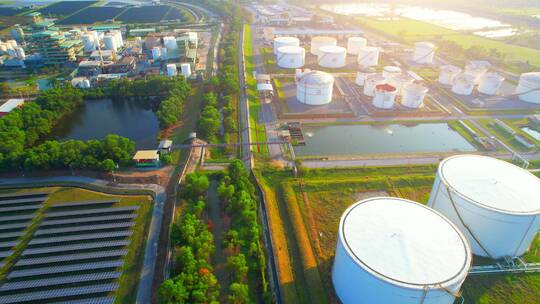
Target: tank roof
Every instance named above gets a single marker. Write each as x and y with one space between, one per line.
316 77
332 49
404 242
385 87
492 183
290 49
532 77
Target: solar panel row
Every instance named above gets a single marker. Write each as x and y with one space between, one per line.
71 257
16 201
111 226
89 277
63 269
76 247
80 237
92 211
85 203
58 293
86 220
19 208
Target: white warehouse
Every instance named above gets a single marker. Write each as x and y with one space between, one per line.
386 255
495 203
314 88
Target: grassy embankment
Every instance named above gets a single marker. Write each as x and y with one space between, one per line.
258 130
309 215
127 290
506 137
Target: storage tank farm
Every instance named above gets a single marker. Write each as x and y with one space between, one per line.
494 203
448 73
319 41
332 56
490 83
384 96
463 84
477 68
285 41
171 69
399 80
185 69
412 95
89 42
314 88
390 71
396 251
110 42
424 52
291 57
368 56
363 74
170 43
354 44
528 88
370 83
156 53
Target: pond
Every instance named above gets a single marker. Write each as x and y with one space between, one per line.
377 139
532 132
97 118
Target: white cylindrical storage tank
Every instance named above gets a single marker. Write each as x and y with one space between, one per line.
463 84
332 56
319 41
354 44
89 44
110 43
363 74
399 81
391 71
370 83
291 57
156 53
384 96
20 53
368 56
118 38
412 95
477 68
164 53
424 52
396 251
171 69
490 83
170 43
85 84
528 88
285 41
495 203
448 73
315 88
185 69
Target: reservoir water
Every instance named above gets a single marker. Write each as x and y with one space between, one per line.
375 139
97 118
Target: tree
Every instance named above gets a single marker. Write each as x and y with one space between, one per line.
238 265
239 293
108 165
4 88
173 292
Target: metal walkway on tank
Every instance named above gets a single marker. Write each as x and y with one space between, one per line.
516 265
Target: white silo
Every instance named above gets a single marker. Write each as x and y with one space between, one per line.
110 43
363 74
412 95
170 43
399 80
320 41
85 84
354 44
384 96
368 56
528 88
156 53
118 38
164 53
448 73
424 52
495 203
20 53
393 250
185 69
285 41
463 84
89 44
315 88
390 71
490 83
291 57
477 68
332 56
171 69
370 83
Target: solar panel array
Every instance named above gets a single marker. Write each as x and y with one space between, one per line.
75 256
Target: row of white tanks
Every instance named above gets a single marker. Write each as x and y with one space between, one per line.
392 250
111 41
385 88
185 70
476 73
11 48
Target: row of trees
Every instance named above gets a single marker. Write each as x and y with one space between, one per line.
193 280
23 133
244 237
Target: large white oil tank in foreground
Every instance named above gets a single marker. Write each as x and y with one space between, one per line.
171 69
463 84
110 43
315 88
170 43
448 73
185 69
363 74
424 52
332 56
477 68
320 41
384 96
490 83
368 56
528 88
390 71
285 41
354 44
412 95
495 204
396 251
156 53
370 83
291 57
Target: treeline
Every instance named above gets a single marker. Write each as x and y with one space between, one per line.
192 280
23 131
243 239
